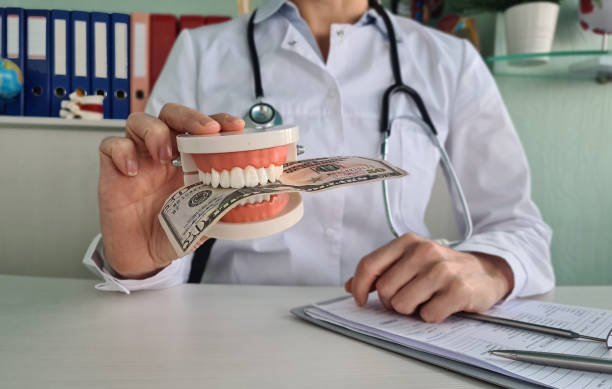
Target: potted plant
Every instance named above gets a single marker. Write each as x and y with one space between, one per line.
530 25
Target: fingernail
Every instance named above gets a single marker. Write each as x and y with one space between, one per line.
165 155
236 120
207 122
132 167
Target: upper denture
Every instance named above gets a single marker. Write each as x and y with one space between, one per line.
261 158
239 178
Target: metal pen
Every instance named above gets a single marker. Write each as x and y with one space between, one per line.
565 361
528 326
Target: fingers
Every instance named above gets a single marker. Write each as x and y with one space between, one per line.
398 275
151 136
376 263
421 288
184 119
419 258
348 285
122 152
228 122
454 299
156 136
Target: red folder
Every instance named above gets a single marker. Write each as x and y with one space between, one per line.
191 21
213 19
163 30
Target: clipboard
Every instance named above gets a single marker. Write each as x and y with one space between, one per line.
449 364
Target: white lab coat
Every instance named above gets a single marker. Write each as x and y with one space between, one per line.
337 106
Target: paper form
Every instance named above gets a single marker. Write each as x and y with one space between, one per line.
469 341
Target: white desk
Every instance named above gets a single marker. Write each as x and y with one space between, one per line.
61 333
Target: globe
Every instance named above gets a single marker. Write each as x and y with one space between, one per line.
11 79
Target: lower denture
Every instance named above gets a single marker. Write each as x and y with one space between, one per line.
258 211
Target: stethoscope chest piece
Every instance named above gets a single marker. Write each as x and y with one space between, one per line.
262 115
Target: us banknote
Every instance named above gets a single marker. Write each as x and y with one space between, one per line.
190 211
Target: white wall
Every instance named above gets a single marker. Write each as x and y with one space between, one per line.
48 198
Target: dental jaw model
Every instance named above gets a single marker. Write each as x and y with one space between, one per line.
248 159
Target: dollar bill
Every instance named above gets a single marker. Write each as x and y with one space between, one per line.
190 211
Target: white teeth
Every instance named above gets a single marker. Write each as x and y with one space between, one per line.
224 179
279 171
262 175
237 178
250 176
271 172
255 199
214 178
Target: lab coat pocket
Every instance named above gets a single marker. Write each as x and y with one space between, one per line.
411 149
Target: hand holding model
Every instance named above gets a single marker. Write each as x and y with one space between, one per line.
136 177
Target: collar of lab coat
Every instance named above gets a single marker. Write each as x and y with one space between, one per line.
286 7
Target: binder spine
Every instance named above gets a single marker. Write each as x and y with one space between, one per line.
139 61
162 36
191 21
14 37
99 61
80 52
60 60
2 33
120 65
37 69
214 19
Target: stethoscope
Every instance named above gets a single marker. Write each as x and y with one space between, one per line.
263 115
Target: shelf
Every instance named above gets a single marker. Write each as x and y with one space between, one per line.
61 124
558 64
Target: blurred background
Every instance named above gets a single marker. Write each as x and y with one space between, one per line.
48 174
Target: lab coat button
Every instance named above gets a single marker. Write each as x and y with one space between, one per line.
340 33
332 94
330 233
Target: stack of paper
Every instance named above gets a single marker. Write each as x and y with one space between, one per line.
469 341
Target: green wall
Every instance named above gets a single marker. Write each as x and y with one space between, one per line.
565 125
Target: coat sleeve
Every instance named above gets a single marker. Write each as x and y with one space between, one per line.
492 167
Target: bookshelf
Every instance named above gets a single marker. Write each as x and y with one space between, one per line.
28 122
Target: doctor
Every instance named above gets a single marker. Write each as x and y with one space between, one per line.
324 66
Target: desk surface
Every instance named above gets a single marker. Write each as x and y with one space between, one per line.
61 333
